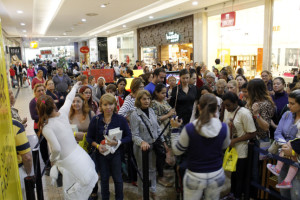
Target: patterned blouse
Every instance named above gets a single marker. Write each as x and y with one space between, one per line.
266 111
161 109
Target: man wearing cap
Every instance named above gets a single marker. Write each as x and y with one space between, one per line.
99 90
159 75
210 80
62 82
137 64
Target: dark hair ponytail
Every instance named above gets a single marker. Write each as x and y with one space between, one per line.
208 105
45 106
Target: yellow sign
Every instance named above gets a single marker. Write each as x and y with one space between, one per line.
34 44
9 173
224 55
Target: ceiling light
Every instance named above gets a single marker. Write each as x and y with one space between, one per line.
103 5
22 24
19 11
195 3
56 38
107 31
124 26
83 20
151 17
72 28
64 34
25 35
24 31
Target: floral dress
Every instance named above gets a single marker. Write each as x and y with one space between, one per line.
161 109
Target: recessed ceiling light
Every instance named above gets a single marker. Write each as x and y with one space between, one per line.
72 28
83 20
22 24
25 35
19 11
151 17
103 5
107 31
195 3
64 33
24 31
56 38
124 26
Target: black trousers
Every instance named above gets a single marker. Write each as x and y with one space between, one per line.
238 178
44 149
20 79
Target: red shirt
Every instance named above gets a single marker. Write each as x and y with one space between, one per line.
120 102
36 81
12 72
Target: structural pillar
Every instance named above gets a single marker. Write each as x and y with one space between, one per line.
136 45
268 32
200 37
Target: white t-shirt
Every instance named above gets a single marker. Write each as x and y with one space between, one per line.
117 70
243 123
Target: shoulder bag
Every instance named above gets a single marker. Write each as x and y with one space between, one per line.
158 145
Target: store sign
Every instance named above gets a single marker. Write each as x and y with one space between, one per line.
84 49
34 44
172 36
46 52
228 19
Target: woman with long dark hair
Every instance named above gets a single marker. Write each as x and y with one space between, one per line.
78 169
88 94
206 134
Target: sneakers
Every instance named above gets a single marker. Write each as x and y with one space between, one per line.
273 169
284 185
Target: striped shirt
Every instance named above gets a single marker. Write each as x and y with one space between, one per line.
127 107
22 143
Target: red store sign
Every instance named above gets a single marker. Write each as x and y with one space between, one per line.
228 19
84 49
46 52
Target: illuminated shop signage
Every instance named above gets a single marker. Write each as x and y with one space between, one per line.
228 19
173 36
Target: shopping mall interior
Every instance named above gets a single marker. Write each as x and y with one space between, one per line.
255 35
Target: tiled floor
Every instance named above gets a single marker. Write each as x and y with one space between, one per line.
54 193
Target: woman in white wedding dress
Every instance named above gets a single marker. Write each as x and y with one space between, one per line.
78 169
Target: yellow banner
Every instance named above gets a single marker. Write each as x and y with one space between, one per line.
9 171
224 55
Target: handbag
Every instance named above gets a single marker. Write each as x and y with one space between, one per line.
230 159
158 145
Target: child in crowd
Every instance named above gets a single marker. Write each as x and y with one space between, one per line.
112 89
275 169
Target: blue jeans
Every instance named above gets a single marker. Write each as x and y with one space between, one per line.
194 184
294 192
110 165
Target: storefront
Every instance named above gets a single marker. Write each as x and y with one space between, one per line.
49 53
285 43
236 38
121 48
168 41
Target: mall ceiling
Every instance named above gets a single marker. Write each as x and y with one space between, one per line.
59 22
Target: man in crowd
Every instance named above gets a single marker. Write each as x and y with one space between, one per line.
159 75
23 153
99 90
218 65
18 72
137 64
62 81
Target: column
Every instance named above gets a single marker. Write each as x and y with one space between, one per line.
200 37
268 31
136 46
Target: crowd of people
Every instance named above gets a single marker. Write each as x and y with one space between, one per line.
96 129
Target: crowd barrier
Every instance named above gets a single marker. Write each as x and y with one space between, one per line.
252 148
36 181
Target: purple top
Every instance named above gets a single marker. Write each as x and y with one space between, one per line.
286 129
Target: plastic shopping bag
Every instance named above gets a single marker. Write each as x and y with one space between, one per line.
84 144
230 159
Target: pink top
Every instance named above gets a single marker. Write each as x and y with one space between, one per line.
30 72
